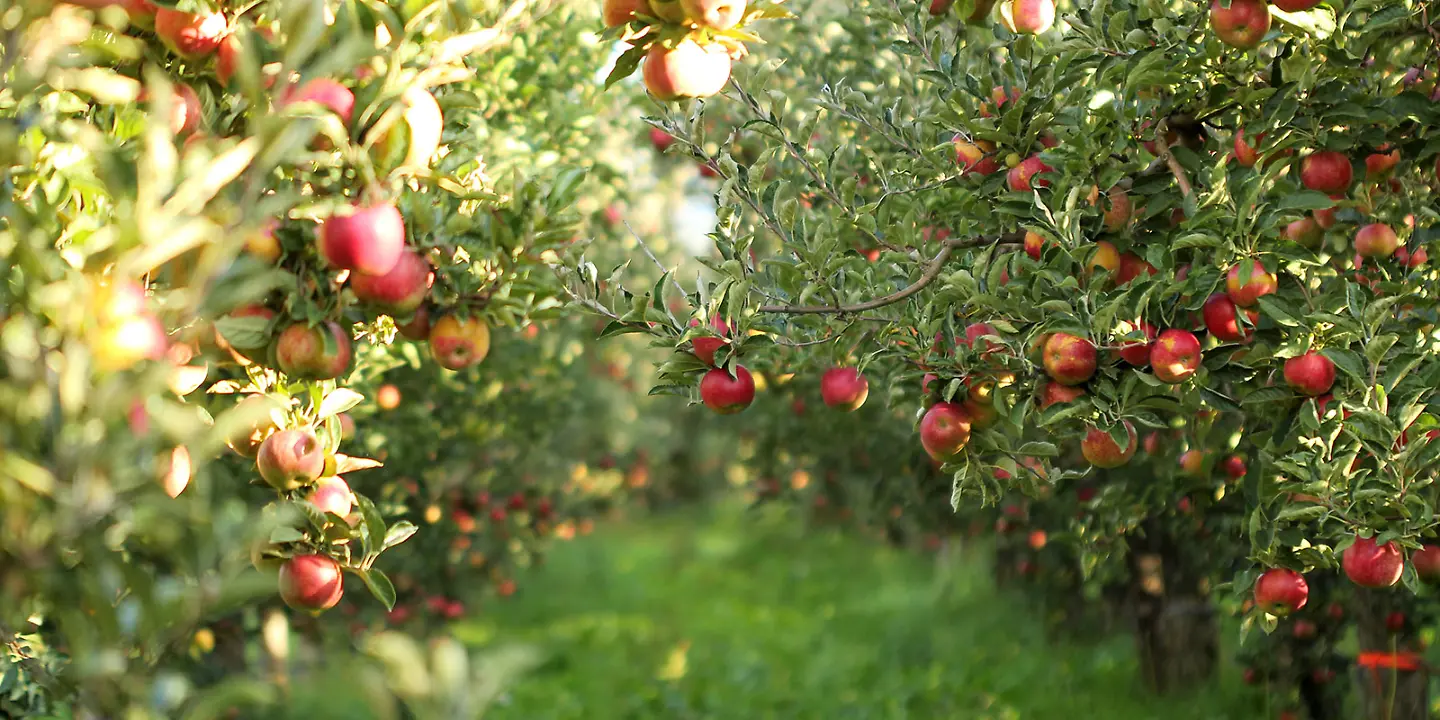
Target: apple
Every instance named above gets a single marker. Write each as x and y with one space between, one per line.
619 12
414 138
329 93
1409 259
190 36
246 440
1241 25
1223 323
301 351
1305 232
190 108
714 14
705 347
1303 630
688 70
976 332
332 495
844 388
1137 352
262 243
1069 360
400 291
976 157
1326 171
1246 155
228 56
725 394
458 343
1381 164
1427 563
1395 622
940 7
1027 17
1370 565
1295 5
1245 292
1325 218
120 343
311 582
1102 451
175 470
1234 467
417 328
945 430
290 459
1310 374
387 396
1132 266
1025 176
368 239
1192 463
1053 392
1376 240
1034 244
1105 257
660 139
1175 356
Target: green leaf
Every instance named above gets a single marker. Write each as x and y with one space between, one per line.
625 65
1348 362
245 333
380 586
1305 200
398 533
1038 449
338 401
374 524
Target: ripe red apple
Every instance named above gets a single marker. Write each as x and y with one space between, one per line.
1304 629
1245 292
457 343
1395 622
398 292
1409 259
368 239
714 14
1102 451
688 70
1069 360
189 108
660 139
945 430
1281 591
1246 155
727 395
1054 392
1234 467
1222 322
1034 244
976 332
1241 25
1027 17
1305 232
417 328
301 351
619 12
332 495
844 388
976 157
1380 164
291 458
1105 257
1310 374
1372 566
311 582
1175 356
190 36
329 93
1326 171
1026 176
1131 267
940 7
1295 5
1376 240
1137 352
1427 563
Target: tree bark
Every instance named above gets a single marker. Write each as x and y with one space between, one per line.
1176 632
1393 685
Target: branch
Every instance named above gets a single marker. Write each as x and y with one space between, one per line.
932 271
1179 172
663 270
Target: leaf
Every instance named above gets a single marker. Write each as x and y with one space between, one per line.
338 401
625 64
1279 310
380 586
1305 200
344 463
1038 449
1347 361
246 333
399 533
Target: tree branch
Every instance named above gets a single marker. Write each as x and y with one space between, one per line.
932 271
1164 147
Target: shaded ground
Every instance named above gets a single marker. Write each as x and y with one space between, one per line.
750 618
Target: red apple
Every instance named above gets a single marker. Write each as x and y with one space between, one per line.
1069 360
327 92
301 351
457 343
398 292
290 459
976 157
190 36
332 495
1034 244
1026 176
1376 240
1234 467
714 14
660 139
1372 566
1409 259
1326 171
1380 164
311 582
1137 352
1131 267
1222 322
727 395
1310 374
1027 17
1241 25
367 239
688 70
844 388
1305 232
417 328
1245 292
619 12
1281 591
1427 563
1175 356
1054 392
945 430
1244 153
1102 451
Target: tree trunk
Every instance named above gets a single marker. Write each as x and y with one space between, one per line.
1176 632
1393 684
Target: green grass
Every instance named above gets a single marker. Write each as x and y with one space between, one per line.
752 618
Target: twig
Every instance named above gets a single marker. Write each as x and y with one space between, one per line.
1164 147
658 264
932 271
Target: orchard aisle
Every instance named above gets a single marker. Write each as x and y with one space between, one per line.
748 618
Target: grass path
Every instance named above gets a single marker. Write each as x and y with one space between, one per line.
723 617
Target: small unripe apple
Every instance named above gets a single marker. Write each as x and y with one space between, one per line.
1246 292
1376 240
311 582
1069 360
1310 374
1241 25
1326 171
400 291
945 430
688 70
1372 566
1222 321
332 495
1175 356
190 36
844 388
459 343
290 459
301 351
725 394
1102 451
